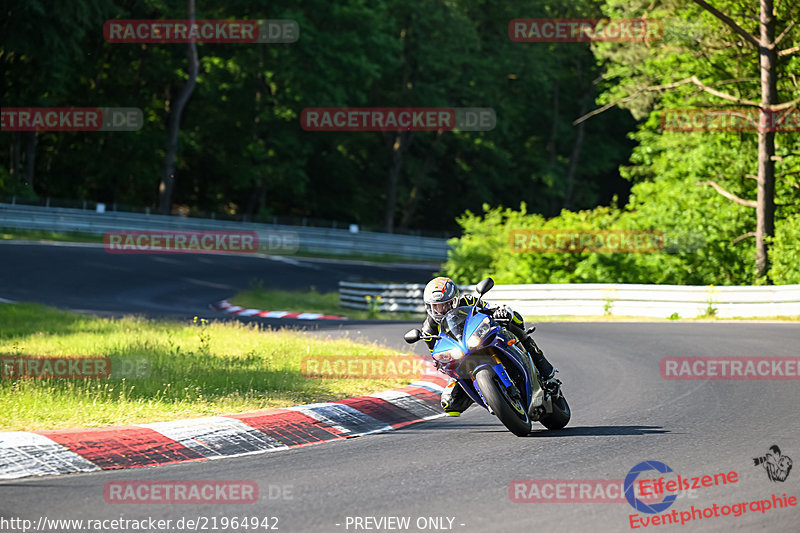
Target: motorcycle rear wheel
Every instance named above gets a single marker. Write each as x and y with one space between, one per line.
503 406
560 415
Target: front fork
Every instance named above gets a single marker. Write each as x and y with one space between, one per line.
500 371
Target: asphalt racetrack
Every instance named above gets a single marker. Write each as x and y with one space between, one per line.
449 474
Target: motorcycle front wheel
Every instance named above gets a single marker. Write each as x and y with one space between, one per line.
510 411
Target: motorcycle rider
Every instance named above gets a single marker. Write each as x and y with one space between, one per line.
440 296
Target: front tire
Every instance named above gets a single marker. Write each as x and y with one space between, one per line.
504 407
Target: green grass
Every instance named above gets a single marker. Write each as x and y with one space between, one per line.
195 369
40 235
311 302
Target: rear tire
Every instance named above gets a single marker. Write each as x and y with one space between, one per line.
560 415
518 423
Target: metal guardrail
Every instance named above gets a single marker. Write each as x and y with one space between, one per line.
385 297
592 299
273 238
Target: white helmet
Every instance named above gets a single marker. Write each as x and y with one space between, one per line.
441 295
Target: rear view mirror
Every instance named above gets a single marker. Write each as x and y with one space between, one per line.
412 336
484 286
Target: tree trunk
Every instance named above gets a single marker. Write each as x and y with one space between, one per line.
398 151
16 144
30 158
258 196
574 157
551 142
578 146
550 147
765 210
167 186
416 189
401 139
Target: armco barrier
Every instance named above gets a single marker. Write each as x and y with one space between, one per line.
275 238
659 301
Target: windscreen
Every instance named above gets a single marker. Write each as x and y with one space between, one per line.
453 321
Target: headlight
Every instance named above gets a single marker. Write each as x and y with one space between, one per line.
480 331
456 354
453 354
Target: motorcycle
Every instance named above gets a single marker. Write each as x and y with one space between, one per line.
494 369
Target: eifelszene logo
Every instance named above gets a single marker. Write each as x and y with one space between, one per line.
638 504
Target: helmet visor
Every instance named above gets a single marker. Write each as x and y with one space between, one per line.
439 309
443 307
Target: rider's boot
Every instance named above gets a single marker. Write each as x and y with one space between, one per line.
543 366
454 399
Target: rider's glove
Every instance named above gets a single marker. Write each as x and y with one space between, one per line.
503 314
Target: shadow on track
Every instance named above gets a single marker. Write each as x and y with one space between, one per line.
599 431
589 431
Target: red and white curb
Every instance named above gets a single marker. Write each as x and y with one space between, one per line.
40 453
227 307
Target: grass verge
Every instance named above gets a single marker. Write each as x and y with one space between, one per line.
41 235
193 369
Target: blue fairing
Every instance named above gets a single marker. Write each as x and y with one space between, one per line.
499 342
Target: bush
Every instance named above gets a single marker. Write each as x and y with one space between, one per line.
785 252
700 249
